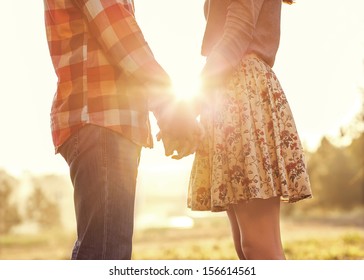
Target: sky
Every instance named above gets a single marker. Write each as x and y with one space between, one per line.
319 64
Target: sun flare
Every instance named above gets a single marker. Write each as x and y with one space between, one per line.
185 86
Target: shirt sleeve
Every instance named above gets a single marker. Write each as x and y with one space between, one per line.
242 16
114 26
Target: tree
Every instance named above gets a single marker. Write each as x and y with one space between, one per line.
337 171
356 149
41 210
9 213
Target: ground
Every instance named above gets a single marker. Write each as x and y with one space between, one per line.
310 238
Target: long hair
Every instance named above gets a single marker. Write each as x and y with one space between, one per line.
288 1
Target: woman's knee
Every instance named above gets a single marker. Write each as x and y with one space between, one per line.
259 223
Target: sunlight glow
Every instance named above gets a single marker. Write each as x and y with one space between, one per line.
186 87
320 96
157 220
181 222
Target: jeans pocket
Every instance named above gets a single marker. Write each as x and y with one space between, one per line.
69 149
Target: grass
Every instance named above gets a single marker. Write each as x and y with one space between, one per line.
348 246
310 239
302 241
51 245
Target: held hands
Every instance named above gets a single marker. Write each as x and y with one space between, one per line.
179 129
180 132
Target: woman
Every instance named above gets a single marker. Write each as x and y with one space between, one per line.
250 158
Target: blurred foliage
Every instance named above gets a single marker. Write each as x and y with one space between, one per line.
38 209
336 174
9 212
42 210
336 170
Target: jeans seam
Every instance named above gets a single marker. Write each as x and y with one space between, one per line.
76 145
106 191
75 154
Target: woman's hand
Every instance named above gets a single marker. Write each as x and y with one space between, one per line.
183 132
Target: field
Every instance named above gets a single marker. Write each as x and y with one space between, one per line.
310 238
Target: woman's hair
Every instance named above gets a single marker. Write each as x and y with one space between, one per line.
288 1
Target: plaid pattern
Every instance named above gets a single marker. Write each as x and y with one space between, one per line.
105 69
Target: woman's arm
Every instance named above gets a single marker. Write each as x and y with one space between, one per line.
241 19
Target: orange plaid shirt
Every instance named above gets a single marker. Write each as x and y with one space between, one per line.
107 74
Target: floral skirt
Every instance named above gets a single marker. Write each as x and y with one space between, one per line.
251 148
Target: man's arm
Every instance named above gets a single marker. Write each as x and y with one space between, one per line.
114 26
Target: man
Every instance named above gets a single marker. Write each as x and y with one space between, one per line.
108 81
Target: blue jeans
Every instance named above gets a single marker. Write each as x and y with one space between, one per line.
103 169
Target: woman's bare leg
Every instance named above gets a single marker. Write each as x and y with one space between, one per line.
259 224
237 238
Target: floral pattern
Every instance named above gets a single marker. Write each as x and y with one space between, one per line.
251 148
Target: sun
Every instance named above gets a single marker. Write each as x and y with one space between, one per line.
186 85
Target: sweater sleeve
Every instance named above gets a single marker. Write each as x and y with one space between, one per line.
241 19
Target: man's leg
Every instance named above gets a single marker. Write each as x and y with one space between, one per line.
103 170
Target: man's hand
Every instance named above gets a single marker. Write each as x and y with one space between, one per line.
183 147
180 130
